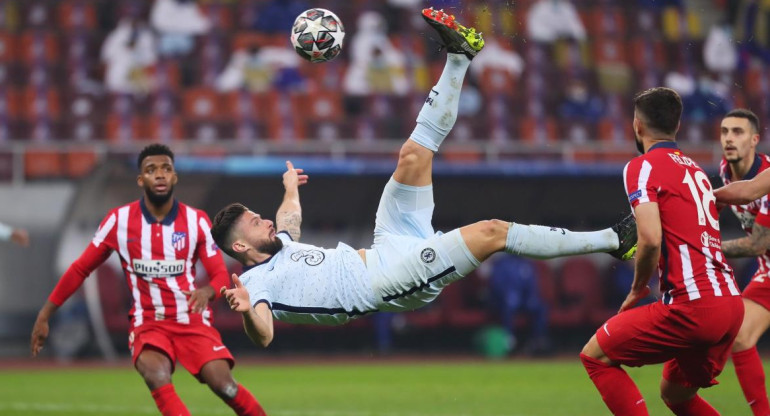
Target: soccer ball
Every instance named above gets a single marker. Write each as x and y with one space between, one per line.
317 35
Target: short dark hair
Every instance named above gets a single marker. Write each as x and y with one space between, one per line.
222 227
155 149
660 109
747 114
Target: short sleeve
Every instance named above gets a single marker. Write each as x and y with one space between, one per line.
258 293
640 183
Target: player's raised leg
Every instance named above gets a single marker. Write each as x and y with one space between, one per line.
439 113
541 242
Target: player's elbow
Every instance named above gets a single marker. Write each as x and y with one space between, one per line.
265 340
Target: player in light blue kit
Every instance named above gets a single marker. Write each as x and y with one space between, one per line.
409 263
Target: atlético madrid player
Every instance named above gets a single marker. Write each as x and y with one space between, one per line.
739 136
159 241
692 328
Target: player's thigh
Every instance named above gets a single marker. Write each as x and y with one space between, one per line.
153 339
404 210
756 320
155 367
638 337
199 344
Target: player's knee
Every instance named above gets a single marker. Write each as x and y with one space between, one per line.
224 388
493 230
156 377
743 341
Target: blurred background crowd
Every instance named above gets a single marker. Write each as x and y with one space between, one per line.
84 83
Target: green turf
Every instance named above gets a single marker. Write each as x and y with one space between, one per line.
512 388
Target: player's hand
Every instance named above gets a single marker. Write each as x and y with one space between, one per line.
20 237
293 178
199 298
633 298
238 296
39 335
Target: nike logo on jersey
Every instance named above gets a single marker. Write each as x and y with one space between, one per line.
606 330
219 348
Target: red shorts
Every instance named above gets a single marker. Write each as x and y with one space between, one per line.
758 289
192 345
692 338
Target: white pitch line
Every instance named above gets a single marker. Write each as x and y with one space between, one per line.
54 408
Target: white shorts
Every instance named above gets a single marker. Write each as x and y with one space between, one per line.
409 263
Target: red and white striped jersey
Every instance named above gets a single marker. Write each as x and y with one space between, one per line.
691 264
158 260
757 211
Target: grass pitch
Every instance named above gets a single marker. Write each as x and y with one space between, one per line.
372 388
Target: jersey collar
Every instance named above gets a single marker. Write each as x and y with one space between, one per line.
754 168
170 218
663 145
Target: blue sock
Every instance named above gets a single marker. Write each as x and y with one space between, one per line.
439 112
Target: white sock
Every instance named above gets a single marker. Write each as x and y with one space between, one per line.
539 242
439 112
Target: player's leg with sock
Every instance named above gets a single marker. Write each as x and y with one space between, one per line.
156 368
618 391
684 401
439 113
217 375
746 359
168 401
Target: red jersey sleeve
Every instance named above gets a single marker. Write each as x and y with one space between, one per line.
210 256
100 248
763 216
640 183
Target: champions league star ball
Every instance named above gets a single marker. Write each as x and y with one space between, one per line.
317 35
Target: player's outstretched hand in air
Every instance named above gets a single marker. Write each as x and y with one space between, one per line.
633 298
238 296
293 178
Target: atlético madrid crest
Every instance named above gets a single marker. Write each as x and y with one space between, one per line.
179 240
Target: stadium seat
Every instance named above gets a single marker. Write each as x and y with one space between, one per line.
164 129
37 46
42 164
77 15
40 103
535 130
579 291
126 128
78 164
8 46
199 104
220 16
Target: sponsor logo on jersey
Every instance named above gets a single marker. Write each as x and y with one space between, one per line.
428 255
709 241
312 257
158 268
635 195
179 240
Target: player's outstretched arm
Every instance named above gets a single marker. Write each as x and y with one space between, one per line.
289 216
649 234
257 321
743 192
753 245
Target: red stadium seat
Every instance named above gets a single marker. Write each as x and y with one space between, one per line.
77 15
122 129
538 131
42 164
579 292
199 104
163 129
40 103
8 47
220 16
39 46
78 164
